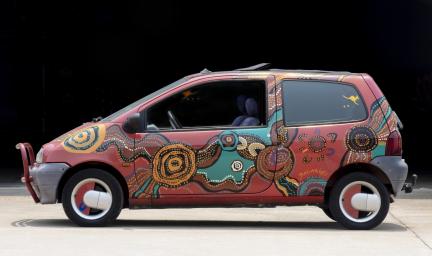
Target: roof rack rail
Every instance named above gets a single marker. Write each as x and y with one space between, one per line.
309 71
261 66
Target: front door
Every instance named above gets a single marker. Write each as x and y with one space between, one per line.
208 138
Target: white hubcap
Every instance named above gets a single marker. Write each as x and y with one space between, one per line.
365 202
91 199
360 201
97 200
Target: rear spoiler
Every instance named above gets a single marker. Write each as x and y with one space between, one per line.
399 122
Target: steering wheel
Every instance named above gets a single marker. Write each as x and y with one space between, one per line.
175 124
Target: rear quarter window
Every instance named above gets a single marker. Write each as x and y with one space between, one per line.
321 102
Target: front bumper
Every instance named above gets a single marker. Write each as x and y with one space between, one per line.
46 178
41 180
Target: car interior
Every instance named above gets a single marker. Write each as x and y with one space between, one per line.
216 104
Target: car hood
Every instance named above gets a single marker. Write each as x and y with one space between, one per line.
81 138
62 137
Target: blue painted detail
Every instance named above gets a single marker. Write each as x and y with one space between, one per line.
386 117
379 150
291 188
156 191
221 170
225 134
143 187
82 207
375 106
311 183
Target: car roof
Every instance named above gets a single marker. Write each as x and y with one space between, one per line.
263 69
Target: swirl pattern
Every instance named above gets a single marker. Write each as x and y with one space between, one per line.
288 186
128 149
86 140
275 162
227 185
174 165
249 146
207 156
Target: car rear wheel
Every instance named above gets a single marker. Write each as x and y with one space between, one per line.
92 197
359 201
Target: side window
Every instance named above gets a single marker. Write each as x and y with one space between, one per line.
215 104
320 102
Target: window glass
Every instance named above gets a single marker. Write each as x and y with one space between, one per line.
315 102
224 103
144 99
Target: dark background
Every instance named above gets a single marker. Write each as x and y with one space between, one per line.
64 62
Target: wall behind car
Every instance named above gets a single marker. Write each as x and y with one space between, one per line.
64 62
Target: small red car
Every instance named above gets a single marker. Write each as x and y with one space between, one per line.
248 137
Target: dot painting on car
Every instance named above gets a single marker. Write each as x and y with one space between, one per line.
249 137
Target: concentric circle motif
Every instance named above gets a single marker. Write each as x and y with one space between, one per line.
228 140
317 144
274 162
285 162
86 140
237 166
173 165
361 139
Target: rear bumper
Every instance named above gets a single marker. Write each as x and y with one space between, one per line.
395 168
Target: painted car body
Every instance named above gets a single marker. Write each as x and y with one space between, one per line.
275 164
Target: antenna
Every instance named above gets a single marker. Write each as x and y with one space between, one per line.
205 71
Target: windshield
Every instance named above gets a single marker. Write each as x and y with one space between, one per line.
142 100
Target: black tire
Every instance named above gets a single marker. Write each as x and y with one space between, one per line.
348 179
328 213
117 198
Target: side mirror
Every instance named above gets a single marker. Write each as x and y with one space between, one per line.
135 123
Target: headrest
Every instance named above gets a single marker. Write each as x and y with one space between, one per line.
251 107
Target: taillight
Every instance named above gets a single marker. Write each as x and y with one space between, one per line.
394 144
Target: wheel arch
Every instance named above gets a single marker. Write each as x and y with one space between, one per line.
357 167
99 165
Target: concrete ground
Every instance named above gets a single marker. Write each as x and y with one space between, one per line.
30 229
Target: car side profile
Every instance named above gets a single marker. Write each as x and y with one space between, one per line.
245 138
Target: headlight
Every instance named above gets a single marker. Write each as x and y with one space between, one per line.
39 156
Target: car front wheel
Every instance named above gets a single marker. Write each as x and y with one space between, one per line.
92 197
